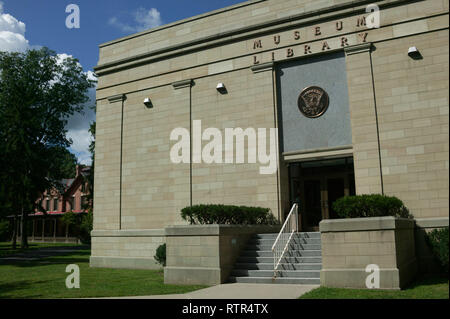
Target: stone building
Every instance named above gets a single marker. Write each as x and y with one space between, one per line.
358 107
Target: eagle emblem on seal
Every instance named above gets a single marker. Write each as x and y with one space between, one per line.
313 101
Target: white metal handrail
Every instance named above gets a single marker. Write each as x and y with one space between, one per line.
281 244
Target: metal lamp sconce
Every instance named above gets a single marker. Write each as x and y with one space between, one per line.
414 53
148 103
221 88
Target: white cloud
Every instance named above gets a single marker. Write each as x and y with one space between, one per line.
12 39
143 19
12 33
78 130
80 147
78 124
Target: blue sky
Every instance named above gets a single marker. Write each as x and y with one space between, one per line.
27 24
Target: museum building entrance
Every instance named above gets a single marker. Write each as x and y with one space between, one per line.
316 185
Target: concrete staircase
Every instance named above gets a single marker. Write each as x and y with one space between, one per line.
301 264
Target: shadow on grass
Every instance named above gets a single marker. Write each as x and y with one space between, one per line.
17 286
427 279
47 258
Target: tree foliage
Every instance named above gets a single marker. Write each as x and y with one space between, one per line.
80 225
438 240
90 177
38 93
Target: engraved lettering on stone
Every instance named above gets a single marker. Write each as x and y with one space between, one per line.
344 42
339 25
361 21
325 46
297 35
363 36
277 39
307 49
257 45
317 31
290 53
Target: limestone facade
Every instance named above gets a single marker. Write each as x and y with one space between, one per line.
398 110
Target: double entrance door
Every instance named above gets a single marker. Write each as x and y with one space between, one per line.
316 186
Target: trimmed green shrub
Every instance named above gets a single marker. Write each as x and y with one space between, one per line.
228 214
160 256
373 205
438 240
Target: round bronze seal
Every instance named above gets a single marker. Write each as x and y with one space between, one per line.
313 101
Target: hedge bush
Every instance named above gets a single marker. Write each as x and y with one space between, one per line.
228 214
373 205
438 240
160 256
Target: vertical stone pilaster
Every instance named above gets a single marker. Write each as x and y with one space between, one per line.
364 122
108 162
187 85
282 180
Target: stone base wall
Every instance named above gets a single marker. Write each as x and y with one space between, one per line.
205 254
427 261
68 240
350 245
133 249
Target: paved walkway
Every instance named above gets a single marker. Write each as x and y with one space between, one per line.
241 291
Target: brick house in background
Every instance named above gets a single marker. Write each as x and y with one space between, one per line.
73 196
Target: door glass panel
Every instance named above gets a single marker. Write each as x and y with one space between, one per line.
313 207
352 190
335 191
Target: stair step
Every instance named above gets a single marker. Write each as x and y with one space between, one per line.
289 253
297 241
278 280
269 266
292 246
266 260
297 235
280 273
301 263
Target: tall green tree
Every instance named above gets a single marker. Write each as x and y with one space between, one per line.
90 177
64 163
38 93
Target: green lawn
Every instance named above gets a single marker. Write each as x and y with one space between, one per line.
46 279
428 287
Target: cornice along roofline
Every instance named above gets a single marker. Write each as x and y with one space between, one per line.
357 6
180 22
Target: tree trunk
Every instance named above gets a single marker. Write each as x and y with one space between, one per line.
14 236
23 230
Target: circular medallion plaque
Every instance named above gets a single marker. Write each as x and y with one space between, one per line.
313 101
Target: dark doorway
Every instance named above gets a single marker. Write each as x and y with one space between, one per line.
316 185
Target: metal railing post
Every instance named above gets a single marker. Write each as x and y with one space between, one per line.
281 244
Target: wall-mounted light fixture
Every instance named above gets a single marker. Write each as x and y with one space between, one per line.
221 88
148 103
414 53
